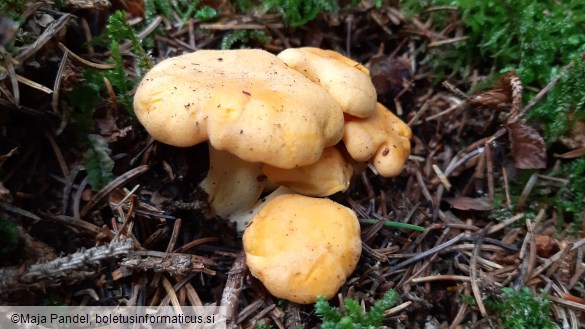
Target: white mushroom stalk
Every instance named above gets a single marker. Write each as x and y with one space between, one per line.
244 216
232 184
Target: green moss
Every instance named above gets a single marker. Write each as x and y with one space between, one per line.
187 9
86 96
534 37
243 37
294 12
352 317
13 8
569 200
520 309
98 163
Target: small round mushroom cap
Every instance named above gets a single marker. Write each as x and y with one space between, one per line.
382 139
245 101
302 247
331 174
346 80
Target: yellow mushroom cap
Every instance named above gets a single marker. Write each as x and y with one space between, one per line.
382 139
346 80
329 175
245 101
302 247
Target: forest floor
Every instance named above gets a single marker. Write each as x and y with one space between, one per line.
78 171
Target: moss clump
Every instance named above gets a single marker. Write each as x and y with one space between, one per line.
520 309
534 37
353 317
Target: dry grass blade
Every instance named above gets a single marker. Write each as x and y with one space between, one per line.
85 62
172 295
427 253
79 224
473 272
58 79
117 182
18 211
442 278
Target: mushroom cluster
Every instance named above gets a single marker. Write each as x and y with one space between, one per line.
300 120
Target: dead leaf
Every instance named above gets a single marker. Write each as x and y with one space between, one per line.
545 246
528 148
507 90
467 203
572 154
491 98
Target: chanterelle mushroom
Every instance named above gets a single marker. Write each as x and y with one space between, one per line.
346 80
382 139
302 247
329 175
246 102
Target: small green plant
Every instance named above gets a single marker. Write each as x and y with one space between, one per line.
570 199
12 8
187 9
294 12
118 29
98 162
86 95
353 317
520 309
243 36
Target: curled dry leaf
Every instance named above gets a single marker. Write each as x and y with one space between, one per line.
506 90
545 246
528 148
467 203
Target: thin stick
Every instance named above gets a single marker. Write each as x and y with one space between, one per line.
461 278
427 253
57 83
506 188
85 61
233 287
104 192
473 272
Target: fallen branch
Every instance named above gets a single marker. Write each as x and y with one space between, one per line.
68 269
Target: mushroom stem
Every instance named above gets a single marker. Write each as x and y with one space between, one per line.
243 217
232 184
